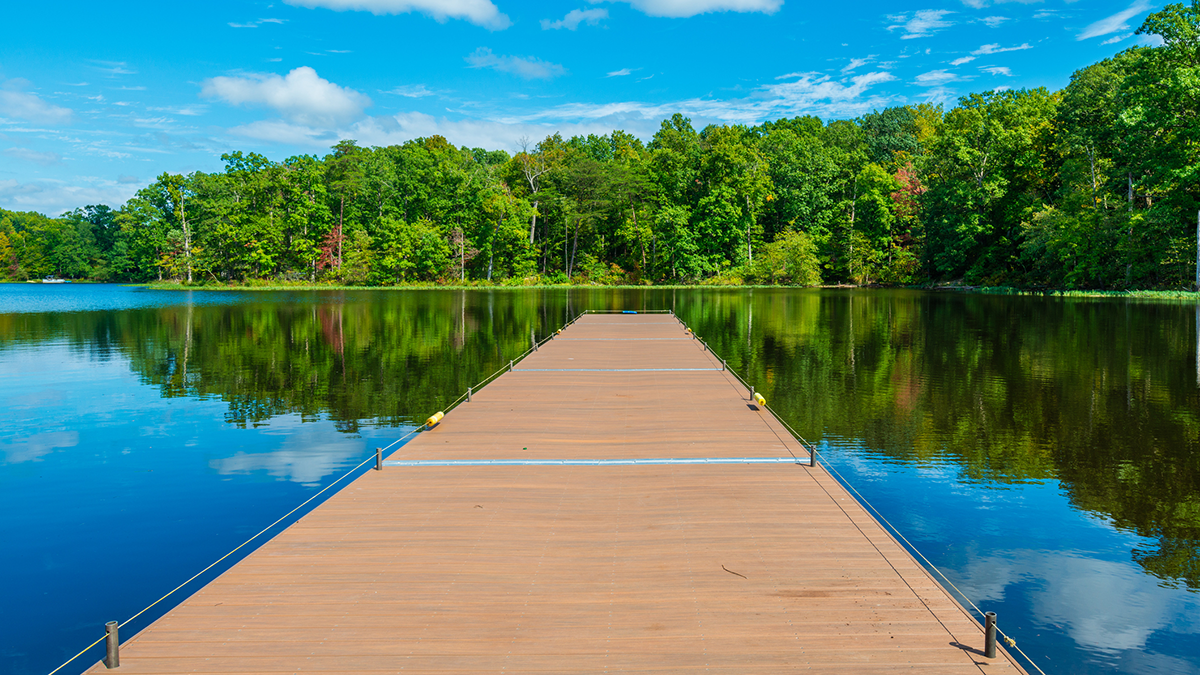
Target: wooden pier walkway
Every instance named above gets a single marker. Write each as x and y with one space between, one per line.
449 561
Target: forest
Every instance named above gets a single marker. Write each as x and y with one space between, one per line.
1096 186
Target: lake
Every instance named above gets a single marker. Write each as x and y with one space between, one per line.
1044 453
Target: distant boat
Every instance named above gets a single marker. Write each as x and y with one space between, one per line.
52 280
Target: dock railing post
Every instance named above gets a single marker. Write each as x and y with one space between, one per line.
379 459
722 364
112 659
468 394
510 366
989 635
751 392
812 456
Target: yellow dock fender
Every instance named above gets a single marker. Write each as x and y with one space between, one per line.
758 398
434 419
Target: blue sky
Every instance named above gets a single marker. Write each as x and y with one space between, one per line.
97 99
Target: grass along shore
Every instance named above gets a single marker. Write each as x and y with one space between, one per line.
983 290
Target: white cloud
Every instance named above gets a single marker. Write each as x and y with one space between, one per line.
528 68
284 132
1117 38
997 49
994 21
1114 23
43 158
801 94
255 24
996 70
1105 606
808 94
114 67
33 448
479 12
575 17
980 4
412 91
187 110
308 453
620 73
936 77
302 97
962 60
943 95
681 9
54 197
922 23
27 106
855 64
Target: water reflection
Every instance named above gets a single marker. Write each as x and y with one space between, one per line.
1043 451
308 453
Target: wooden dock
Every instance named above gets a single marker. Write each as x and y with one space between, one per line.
602 550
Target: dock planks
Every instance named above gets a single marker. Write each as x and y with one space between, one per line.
723 568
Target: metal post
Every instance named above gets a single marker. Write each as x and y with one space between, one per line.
722 364
989 635
812 456
379 459
752 392
113 658
510 364
468 394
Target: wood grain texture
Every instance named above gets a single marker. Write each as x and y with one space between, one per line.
573 569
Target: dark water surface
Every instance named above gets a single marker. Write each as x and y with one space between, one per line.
1044 453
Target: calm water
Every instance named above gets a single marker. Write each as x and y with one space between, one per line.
1045 453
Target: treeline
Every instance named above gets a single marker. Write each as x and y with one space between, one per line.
1094 186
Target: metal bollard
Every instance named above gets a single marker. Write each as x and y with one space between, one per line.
812 456
112 659
510 364
722 364
751 392
989 635
379 459
468 394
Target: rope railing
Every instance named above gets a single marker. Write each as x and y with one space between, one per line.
373 458
218 561
812 449
1011 642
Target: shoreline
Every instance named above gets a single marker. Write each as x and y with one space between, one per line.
955 288
980 290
